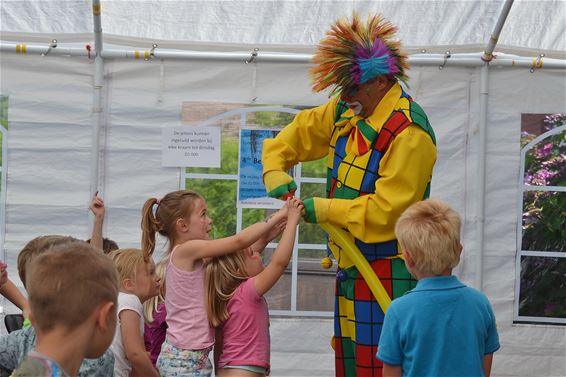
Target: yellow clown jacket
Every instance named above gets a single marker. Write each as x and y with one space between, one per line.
400 179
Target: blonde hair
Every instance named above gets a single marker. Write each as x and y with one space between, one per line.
223 275
37 246
67 283
429 231
170 208
127 262
151 304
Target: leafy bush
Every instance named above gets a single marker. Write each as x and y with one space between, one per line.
544 212
542 284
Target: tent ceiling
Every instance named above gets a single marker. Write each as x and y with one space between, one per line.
294 26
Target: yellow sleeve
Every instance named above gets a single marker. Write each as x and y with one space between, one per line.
405 169
306 138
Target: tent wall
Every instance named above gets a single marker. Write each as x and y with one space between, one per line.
50 124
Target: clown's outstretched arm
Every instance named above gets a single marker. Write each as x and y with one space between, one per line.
306 138
406 169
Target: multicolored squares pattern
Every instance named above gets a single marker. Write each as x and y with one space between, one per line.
358 317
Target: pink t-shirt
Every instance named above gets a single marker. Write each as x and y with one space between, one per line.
186 312
246 331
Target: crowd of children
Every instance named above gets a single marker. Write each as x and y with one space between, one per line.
116 312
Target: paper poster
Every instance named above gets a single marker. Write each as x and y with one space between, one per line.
189 146
251 191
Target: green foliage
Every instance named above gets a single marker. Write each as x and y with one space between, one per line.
315 169
228 158
543 287
543 283
3 119
270 119
312 233
544 221
544 212
4 112
220 196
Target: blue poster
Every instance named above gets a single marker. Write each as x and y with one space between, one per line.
251 191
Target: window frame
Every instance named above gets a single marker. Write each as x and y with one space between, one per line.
299 179
532 253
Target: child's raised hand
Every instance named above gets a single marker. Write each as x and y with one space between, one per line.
295 210
97 205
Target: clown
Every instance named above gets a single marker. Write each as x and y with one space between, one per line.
381 152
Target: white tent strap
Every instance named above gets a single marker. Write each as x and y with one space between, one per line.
423 59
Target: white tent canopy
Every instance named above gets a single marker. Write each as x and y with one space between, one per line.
465 25
51 122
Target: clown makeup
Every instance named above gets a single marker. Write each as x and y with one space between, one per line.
356 107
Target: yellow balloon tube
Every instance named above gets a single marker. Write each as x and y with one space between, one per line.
340 237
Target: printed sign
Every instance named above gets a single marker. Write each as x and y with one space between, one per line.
188 146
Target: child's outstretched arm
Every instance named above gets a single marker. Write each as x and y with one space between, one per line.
98 209
265 239
13 294
269 276
199 249
133 344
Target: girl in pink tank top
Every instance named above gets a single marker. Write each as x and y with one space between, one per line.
235 285
182 217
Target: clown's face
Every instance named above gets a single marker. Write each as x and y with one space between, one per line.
364 98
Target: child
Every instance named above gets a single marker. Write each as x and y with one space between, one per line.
16 345
73 291
138 283
235 285
155 326
182 217
441 327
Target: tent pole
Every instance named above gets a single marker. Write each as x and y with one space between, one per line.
488 53
97 98
482 139
96 105
415 60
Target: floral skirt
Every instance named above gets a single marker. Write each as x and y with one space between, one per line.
176 362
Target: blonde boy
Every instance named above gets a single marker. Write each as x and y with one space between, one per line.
73 290
441 327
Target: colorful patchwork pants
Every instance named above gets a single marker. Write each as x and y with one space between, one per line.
358 317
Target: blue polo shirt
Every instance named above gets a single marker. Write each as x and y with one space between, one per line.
440 328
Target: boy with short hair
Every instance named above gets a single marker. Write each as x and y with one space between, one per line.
73 292
16 345
441 327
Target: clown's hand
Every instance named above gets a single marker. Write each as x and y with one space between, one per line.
316 210
279 185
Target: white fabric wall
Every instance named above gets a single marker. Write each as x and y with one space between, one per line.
51 118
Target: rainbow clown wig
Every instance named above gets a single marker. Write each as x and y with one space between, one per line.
354 53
